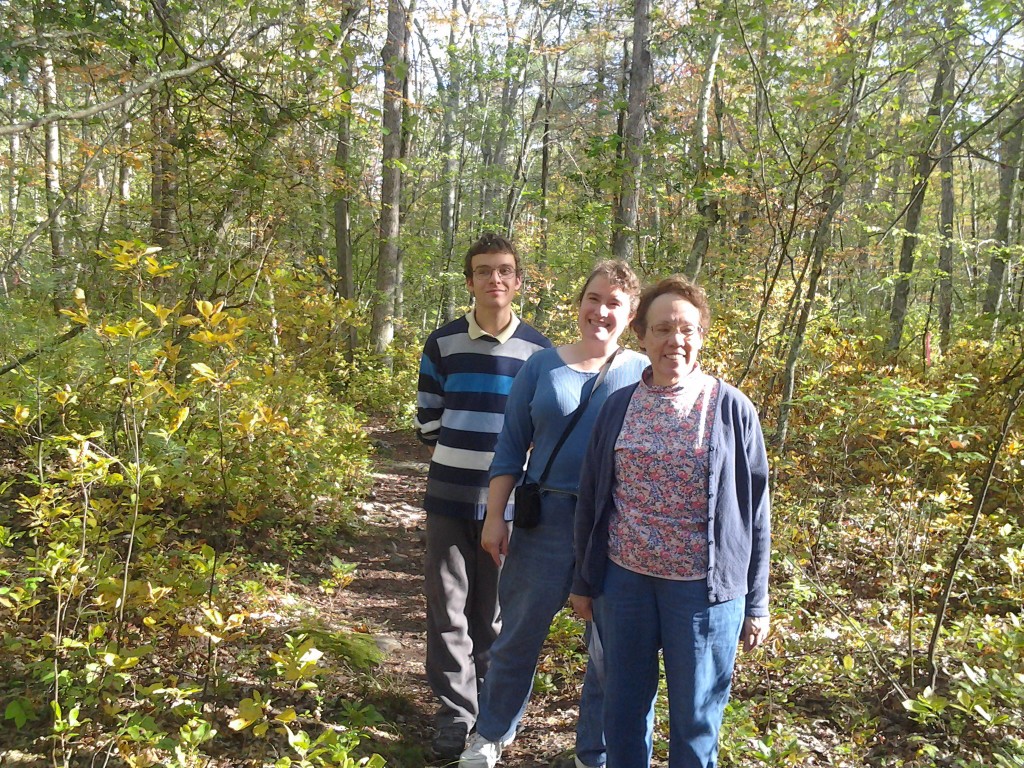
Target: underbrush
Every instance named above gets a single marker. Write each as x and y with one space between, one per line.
172 470
896 584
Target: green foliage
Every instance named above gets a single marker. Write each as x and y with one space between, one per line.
150 457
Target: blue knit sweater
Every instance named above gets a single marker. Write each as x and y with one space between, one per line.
543 398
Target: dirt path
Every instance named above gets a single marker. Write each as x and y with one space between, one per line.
388 595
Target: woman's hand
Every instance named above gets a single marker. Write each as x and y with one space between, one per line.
755 631
583 606
494 538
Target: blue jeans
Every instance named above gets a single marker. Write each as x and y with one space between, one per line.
532 588
639 614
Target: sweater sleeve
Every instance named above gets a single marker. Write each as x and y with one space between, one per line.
760 552
430 394
517 430
586 509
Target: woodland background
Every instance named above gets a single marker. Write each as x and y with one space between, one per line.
226 228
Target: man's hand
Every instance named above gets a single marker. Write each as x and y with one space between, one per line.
494 538
755 631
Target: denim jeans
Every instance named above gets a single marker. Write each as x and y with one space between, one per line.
639 614
533 586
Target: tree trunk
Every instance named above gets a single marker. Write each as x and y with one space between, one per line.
451 91
1009 170
946 212
545 224
13 177
922 170
707 203
345 285
164 188
749 204
946 215
624 230
124 180
382 327
48 87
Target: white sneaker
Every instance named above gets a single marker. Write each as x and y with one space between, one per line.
480 753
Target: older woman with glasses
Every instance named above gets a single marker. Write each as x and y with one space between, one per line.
673 537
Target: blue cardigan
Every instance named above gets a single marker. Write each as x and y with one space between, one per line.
739 520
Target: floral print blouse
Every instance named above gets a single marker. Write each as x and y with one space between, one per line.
662 462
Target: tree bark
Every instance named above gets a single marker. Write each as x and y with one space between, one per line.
382 327
48 87
946 213
545 177
164 183
1009 171
451 90
624 230
124 180
707 203
922 170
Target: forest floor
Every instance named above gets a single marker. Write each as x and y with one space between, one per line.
387 595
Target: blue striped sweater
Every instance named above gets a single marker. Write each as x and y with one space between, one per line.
465 377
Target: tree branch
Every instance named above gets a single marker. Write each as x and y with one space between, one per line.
138 90
40 350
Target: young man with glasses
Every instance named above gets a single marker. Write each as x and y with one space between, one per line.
466 372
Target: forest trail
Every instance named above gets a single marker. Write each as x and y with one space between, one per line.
387 595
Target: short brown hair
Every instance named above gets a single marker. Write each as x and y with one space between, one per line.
681 286
619 275
490 242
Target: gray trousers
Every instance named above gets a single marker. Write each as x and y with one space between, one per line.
461 584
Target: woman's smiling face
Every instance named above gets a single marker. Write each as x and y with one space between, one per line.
604 310
673 338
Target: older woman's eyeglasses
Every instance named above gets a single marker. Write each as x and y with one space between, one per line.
665 330
504 271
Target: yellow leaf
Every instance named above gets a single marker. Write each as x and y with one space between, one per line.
249 711
156 269
161 312
204 337
287 716
205 308
847 662
203 371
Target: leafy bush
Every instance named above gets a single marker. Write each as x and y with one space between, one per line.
152 447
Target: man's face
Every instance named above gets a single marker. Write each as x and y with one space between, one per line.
494 282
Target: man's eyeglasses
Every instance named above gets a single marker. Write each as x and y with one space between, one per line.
663 331
505 271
